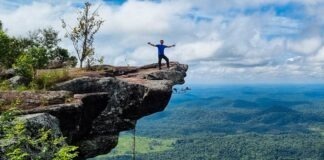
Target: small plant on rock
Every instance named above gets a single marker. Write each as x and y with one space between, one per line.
19 143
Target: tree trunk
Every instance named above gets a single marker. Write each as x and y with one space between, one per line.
81 63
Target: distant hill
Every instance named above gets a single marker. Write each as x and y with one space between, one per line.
244 104
269 102
279 115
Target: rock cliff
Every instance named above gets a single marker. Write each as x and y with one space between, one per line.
91 110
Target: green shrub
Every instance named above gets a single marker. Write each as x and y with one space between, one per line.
33 86
24 66
11 48
39 57
72 61
21 88
27 63
4 51
5 85
17 143
66 153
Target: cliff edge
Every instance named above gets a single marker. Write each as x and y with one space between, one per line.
92 109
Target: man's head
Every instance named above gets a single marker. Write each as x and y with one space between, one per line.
161 41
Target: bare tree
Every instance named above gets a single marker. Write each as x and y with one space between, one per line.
82 35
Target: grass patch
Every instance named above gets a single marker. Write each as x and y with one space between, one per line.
143 145
47 78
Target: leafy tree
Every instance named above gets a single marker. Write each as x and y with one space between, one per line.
47 38
4 48
63 54
73 61
27 63
38 56
0 25
82 35
11 48
41 45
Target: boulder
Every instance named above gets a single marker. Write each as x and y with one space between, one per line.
18 80
6 74
55 63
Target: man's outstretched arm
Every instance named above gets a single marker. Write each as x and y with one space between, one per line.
151 44
171 46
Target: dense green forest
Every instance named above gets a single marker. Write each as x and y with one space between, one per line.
272 122
240 146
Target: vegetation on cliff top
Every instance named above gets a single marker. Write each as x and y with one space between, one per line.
37 62
40 50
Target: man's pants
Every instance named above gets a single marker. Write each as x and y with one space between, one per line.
165 58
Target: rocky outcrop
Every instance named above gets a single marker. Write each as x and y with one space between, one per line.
18 80
96 109
6 74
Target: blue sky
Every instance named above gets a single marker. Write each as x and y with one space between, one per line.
237 41
118 2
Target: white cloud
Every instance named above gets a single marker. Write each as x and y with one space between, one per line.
140 17
306 46
318 57
30 17
196 50
294 59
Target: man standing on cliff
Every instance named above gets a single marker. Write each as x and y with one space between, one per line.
161 48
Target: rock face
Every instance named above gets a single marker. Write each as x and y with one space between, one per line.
96 109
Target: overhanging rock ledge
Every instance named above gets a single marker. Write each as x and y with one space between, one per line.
92 110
